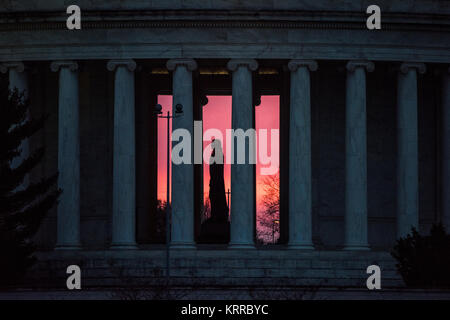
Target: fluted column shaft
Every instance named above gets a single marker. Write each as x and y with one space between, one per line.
300 187
445 195
68 219
183 173
356 156
124 162
407 144
242 175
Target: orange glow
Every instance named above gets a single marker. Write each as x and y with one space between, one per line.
217 114
267 116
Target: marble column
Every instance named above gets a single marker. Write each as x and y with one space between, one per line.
242 175
300 187
124 162
445 194
68 218
356 156
18 80
407 144
182 236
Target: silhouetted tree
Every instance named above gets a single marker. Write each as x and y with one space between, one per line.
424 261
22 208
271 198
269 228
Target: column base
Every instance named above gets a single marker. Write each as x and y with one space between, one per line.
182 245
300 247
60 247
356 248
123 246
241 246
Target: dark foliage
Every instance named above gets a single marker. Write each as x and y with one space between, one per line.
424 261
22 207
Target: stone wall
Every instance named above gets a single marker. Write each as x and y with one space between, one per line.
418 6
269 29
96 134
215 268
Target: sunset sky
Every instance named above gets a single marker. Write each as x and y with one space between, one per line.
217 114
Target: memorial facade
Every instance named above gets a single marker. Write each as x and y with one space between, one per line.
364 132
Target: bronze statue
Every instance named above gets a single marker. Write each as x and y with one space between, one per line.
219 207
216 229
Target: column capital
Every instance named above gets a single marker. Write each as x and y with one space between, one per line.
114 63
353 64
56 65
293 65
5 66
405 66
190 64
251 64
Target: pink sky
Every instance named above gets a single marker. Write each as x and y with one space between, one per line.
217 114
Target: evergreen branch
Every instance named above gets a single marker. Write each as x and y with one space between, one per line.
31 218
11 178
18 200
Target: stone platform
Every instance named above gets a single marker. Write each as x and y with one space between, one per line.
226 294
209 266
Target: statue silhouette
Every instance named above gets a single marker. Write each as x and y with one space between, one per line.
217 198
216 229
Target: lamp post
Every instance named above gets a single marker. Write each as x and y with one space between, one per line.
159 114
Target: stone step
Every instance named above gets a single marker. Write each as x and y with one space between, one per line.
141 268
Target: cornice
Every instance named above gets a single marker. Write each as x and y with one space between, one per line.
122 22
